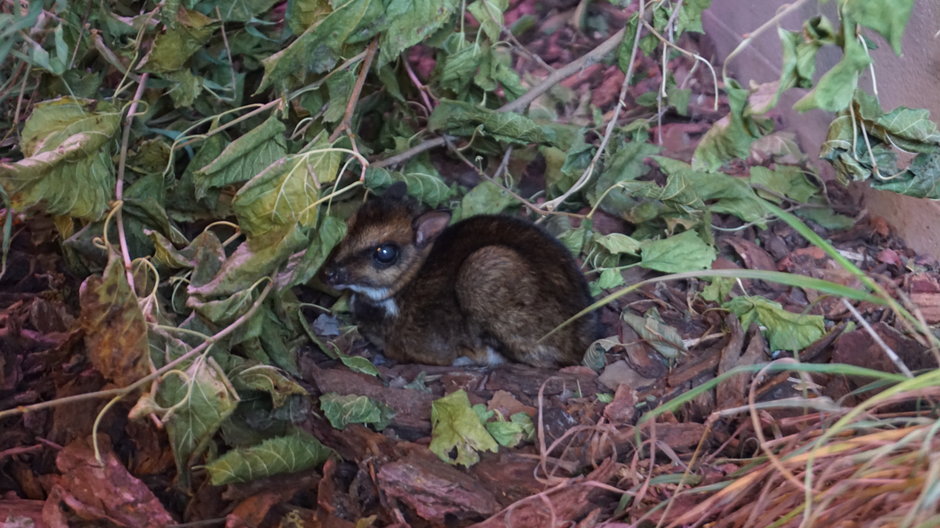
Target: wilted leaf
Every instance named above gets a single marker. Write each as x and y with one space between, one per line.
664 338
283 454
68 167
618 244
285 192
201 398
485 198
302 14
834 90
788 181
252 260
462 119
731 136
266 378
318 48
718 289
173 48
410 22
887 17
683 252
456 428
342 410
115 330
510 433
244 158
828 218
785 330
920 180
331 232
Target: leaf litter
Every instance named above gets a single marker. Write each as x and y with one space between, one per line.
720 397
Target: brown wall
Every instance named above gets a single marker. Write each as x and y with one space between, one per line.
912 80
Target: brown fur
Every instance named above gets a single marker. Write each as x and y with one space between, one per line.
495 282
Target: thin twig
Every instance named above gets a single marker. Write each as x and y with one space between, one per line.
553 204
595 55
422 89
753 34
892 355
263 108
110 393
119 185
357 89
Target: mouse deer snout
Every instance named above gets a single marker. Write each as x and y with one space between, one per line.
335 275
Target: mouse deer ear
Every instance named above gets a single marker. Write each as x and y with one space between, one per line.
396 191
428 226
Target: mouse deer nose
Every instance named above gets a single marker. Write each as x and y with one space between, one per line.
334 275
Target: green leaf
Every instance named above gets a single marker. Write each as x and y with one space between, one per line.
683 252
67 166
905 128
302 14
331 232
512 432
920 180
489 13
462 119
609 279
410 22
268 379
626 164
618 244
461 65
178 43
651 328
719 192
251 261
690 15
887 17
786 180
826 217
244 10
574 239
225 310
455 427
198 400
286 191
485 198
798 58
834 90
284 454
785 330
718 289
339 87
342 410
245 157
425 183
319 47
731 136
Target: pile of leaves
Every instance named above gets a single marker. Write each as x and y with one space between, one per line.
174 175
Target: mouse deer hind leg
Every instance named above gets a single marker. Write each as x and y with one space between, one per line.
501 295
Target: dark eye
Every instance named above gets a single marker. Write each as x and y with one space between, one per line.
385 255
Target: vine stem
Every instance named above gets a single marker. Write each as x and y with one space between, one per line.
123 391
357 89
119 185
553 204
524 100
753 34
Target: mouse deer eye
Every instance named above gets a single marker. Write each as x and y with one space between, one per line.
385 255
